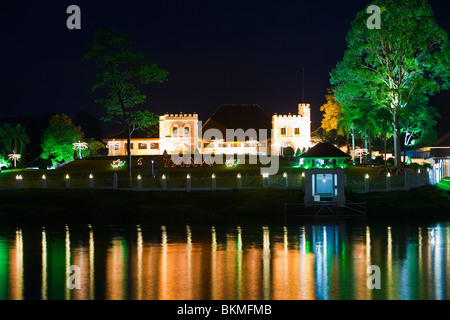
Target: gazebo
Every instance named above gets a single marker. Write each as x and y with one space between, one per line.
324 175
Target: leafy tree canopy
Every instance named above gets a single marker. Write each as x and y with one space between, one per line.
58 138
397 66
123 73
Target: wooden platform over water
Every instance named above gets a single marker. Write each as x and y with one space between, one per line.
325 209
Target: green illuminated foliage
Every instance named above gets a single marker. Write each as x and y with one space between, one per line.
94 148
58 138
14 139
397 66
418 124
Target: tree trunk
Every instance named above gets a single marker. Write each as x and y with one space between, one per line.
365 147
385 148
370 146
130 178
353 147
397 149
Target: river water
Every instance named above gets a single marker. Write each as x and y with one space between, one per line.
315 260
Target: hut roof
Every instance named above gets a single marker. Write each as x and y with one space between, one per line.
324 150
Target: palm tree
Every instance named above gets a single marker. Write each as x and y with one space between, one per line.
15 139
6 136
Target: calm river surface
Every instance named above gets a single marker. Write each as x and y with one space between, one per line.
305 261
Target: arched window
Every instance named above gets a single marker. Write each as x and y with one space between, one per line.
175 131
297 132
283 131
187 130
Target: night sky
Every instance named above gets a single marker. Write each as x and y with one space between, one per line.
217 52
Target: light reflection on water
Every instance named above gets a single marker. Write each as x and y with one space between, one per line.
312 261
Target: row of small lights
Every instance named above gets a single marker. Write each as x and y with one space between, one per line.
265 175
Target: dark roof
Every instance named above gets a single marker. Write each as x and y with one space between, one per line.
439 153
239 116
443 142
324 150
152 132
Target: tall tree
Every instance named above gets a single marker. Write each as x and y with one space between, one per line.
20 138
14 139
58 138
332 112
123 73
407 59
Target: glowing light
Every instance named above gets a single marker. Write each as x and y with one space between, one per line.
230 163
265 175
361 152
80 146
389 174
252 143
164 177
284 144
181 146
324 179
303 174
213 176
215 143
188 176
139 177
239 176
113 144
44 177
285 175
67 176
14 157
19 177
91 176
367 176
418 171
118 164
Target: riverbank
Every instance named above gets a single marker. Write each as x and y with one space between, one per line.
262 205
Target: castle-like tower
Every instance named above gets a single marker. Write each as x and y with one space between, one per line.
178 133
292 130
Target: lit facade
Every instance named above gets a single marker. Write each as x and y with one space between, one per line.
179 133
292 130
184 133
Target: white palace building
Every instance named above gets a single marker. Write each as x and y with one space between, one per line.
255 133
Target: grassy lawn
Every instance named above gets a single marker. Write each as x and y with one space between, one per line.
60 204
102 166
444 184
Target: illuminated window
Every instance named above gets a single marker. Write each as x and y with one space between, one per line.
174 131
186 131
283 132
297 132
289 132
154 146
142 146
116 147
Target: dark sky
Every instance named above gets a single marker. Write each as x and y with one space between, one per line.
217 52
